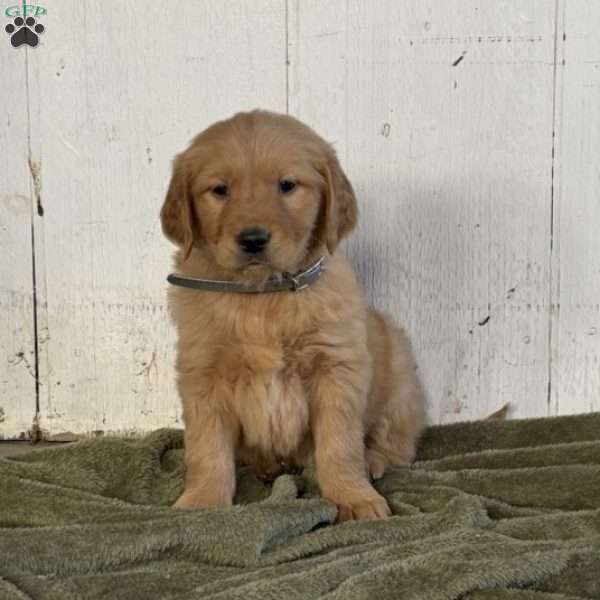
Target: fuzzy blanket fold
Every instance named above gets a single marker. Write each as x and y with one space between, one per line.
491 511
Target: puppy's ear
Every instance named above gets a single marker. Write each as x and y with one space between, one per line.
176 214
341 209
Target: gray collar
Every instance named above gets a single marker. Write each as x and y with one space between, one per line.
287 281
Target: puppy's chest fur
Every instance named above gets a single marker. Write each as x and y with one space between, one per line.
272 404
259 364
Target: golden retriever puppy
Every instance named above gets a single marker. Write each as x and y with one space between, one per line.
279 379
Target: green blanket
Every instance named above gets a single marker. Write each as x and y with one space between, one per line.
491 511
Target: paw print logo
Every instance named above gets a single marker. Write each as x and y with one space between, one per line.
24 31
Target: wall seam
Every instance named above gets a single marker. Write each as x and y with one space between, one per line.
554 304
34 433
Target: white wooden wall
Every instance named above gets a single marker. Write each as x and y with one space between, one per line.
470 129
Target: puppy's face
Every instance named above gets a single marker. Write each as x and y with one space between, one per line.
257 193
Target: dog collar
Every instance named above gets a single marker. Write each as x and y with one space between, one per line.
287 281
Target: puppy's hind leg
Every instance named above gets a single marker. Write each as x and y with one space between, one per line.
393 436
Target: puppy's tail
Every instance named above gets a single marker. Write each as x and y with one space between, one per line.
500 414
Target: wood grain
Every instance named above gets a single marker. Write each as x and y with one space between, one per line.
442 115
576 253
17 341
113 99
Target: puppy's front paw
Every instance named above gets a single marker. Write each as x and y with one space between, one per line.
201 499
361 506
367 510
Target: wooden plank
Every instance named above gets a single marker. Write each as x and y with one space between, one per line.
114 97
576 244
442 115
17 342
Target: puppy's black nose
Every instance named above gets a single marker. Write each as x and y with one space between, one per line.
253 240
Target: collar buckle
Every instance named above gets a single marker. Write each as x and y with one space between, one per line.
297 285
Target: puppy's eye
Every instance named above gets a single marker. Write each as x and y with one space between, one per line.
221 190
286 186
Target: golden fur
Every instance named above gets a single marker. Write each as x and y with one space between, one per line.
282 379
